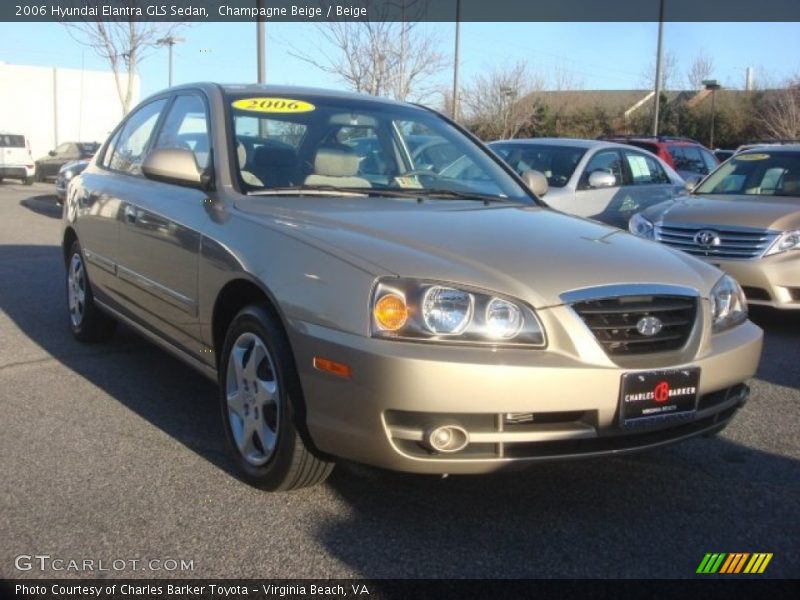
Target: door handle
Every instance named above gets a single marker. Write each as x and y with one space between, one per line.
130 214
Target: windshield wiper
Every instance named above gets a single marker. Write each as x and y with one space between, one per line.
445 194
308 190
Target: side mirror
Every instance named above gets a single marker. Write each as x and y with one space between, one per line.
602 179
173 165
51 153
691 183
536 181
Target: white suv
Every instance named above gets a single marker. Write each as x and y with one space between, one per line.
16 160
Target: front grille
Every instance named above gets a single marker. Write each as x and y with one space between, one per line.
756 293
728 243
614 321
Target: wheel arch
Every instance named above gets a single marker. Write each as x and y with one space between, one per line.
70 237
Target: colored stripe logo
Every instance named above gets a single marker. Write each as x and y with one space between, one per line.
724 563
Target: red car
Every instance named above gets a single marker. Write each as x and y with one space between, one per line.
689 158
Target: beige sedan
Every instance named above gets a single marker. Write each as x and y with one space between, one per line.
745 219
352 302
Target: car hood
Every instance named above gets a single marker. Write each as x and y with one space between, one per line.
761 212
529 252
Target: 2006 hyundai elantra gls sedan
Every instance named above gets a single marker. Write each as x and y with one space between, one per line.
352 303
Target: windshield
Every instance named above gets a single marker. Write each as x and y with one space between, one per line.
319 143
556 163
756 174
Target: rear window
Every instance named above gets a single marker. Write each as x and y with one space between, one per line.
12 141
89 148
645 146
556 163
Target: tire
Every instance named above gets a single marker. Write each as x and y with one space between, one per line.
88 323
28 181
262 406
39 174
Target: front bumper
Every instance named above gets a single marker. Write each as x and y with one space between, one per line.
399 390
771 281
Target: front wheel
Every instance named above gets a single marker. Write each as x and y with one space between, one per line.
87 322
261 403
28 180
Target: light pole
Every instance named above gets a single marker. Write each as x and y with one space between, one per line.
170 41
712 85
659 53
260 46
456 59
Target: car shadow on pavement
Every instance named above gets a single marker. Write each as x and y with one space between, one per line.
778 366
45 204
148 381
640 515
651 514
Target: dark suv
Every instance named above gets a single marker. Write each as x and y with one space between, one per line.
689 158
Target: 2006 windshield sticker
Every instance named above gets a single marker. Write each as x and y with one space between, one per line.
273 105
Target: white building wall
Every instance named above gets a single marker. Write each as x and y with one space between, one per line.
52 105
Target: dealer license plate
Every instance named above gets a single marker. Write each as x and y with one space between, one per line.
658 395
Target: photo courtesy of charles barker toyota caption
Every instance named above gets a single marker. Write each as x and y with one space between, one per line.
353 303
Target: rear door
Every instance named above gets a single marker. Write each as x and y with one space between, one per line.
14 151
646 183
98 199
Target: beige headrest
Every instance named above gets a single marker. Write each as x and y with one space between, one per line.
333 162
241 153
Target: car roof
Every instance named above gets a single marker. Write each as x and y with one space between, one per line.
772 148
567 142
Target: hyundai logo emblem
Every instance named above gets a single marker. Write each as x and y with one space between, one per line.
707 238
649 326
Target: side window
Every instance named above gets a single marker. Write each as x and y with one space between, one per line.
186 126
109 152
644 169
63 149
607 161
131 142
694 161
710 160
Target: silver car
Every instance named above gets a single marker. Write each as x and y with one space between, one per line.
358 304
599 180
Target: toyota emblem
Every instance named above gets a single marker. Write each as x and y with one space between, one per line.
649 326
707 238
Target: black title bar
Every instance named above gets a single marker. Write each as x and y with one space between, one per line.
399 10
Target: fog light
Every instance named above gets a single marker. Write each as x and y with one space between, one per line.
446 439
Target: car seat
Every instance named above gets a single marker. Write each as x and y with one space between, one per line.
337 167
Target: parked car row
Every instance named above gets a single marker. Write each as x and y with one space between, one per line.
60 164
365 280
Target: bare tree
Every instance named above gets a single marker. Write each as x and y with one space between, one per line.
701 69
781 115
501 103
382 58
669 68
124 44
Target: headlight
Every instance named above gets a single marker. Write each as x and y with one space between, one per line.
410 309
728 304
641 227
68 175
789 240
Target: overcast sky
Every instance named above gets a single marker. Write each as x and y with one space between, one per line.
595 55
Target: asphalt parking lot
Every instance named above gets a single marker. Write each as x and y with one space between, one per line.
116 452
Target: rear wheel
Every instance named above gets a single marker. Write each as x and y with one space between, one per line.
87 321
28 180
261 404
